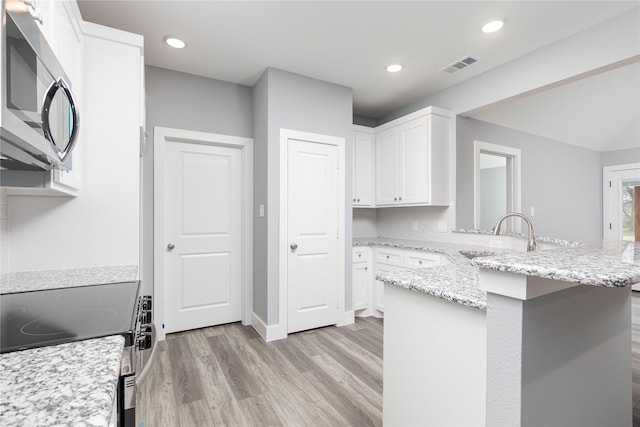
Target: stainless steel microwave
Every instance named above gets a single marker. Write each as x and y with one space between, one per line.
39 117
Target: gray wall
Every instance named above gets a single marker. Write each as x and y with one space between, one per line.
621 157
552 360
563 182
296 102
185 101
260 228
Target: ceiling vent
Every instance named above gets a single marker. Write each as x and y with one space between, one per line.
459 65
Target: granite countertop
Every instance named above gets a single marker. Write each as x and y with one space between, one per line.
68 384
457 282
613 265
591 263
66 278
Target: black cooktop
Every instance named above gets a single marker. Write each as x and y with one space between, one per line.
56 316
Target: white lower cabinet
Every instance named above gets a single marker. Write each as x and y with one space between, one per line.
361 280
368 293
378 287
361 274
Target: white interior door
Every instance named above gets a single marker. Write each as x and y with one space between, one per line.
618 201
312 265
203 188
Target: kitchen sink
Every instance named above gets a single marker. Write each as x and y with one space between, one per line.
476 254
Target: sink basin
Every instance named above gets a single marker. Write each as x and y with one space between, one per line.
476 254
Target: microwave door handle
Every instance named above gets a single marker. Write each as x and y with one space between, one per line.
48 98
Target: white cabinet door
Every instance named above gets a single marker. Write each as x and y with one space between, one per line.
386 168
363 166
361 281
378 289
413 156
69 48
45 10
412 160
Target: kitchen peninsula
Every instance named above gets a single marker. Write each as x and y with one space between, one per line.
514 338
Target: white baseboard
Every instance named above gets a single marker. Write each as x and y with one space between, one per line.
346 318
268 333
370 312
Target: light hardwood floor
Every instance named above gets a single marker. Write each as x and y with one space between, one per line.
226 375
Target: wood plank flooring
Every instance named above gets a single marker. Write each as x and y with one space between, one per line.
226 375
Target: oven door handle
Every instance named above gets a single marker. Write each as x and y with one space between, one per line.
140 377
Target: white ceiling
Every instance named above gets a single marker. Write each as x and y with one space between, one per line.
600 112
349 42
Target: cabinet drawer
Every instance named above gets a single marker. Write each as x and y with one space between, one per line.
390 257
360 254
422 260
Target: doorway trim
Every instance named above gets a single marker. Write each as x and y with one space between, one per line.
161 135
344 317
607 200
513 156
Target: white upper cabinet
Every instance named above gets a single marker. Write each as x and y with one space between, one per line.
68 46
386 170
363 177
412 160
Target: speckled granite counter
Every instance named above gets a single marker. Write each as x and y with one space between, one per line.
593 264
457 282
65 278
588 266
70 384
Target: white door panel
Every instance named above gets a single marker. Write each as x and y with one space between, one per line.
414 162
386 169
313 235
202 221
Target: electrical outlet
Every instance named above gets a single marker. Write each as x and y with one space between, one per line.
416 227
442 226
261 213
533 211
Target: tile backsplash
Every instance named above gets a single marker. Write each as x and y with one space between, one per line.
365 222
413 223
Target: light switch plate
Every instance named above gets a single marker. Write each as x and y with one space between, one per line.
261 211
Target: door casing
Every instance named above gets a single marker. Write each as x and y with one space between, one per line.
161 135
611 198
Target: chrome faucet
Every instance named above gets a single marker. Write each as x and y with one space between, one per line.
531 244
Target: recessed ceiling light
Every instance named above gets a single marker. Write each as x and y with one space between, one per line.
394 68
173 41
493 26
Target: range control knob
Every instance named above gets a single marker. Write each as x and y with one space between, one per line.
144 342
146 302
145 317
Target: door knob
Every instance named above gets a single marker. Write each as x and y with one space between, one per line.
171 247
293 246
